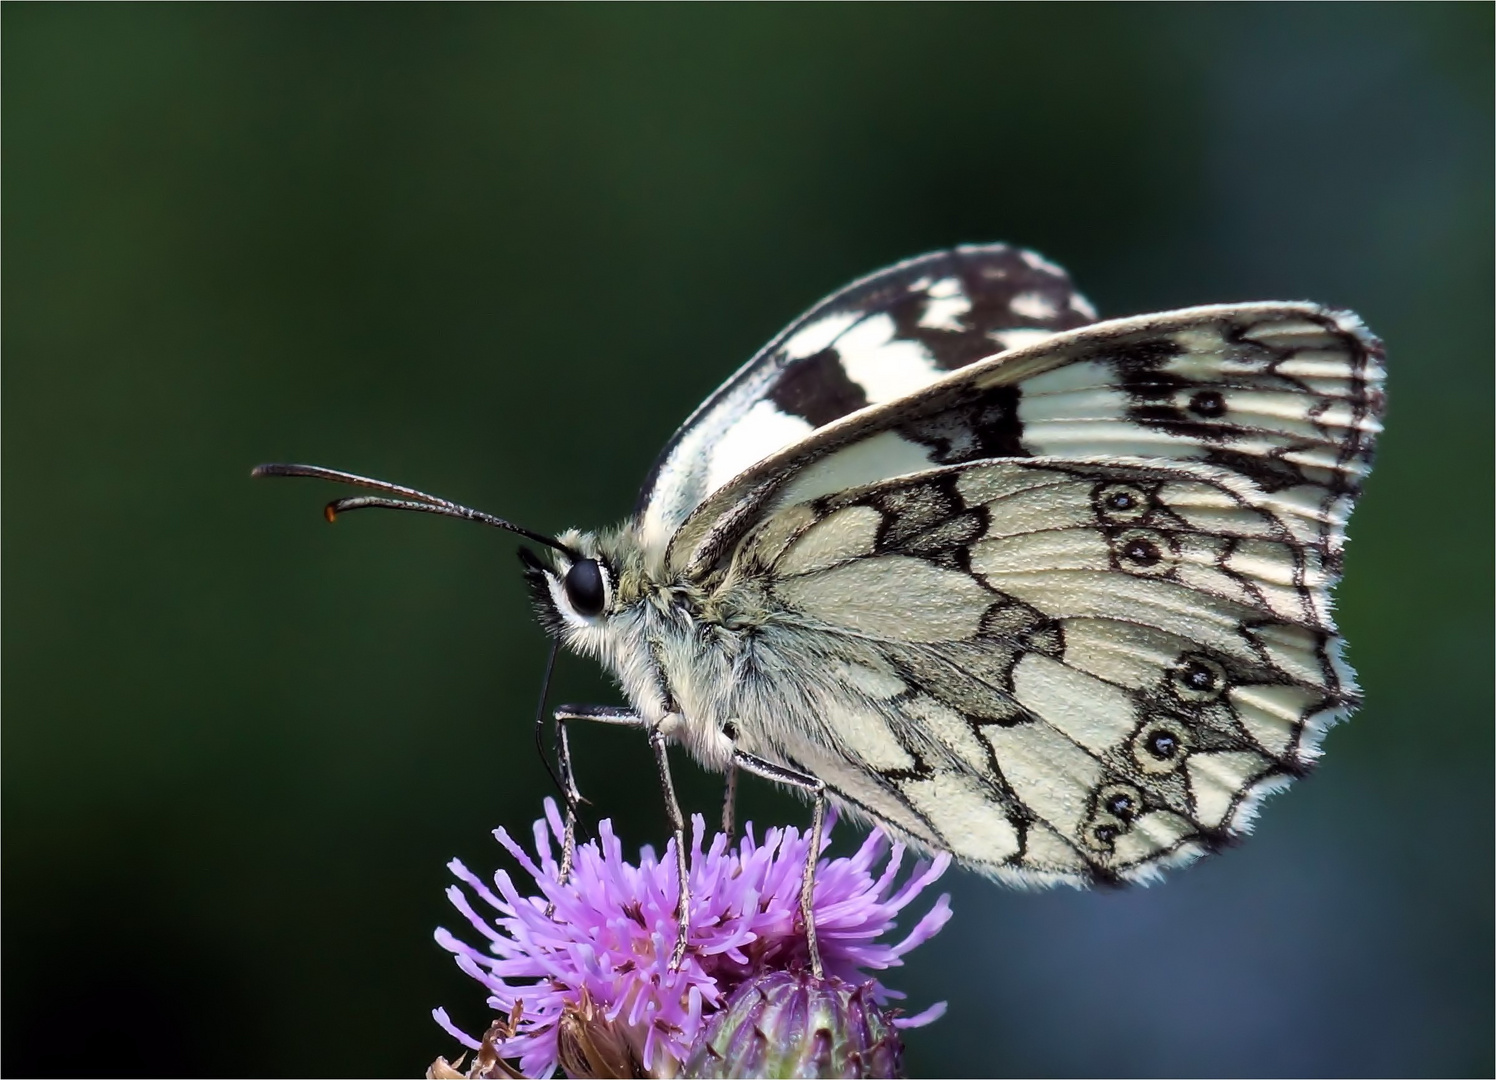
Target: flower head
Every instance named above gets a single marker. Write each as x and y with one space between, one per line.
599 943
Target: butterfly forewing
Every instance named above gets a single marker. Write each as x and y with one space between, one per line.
875 341
1287 397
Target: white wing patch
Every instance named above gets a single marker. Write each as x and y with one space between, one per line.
1019 339
1035 305
875 458
962 812
818 334
867 597
882 366
844 534
742 445
1088 711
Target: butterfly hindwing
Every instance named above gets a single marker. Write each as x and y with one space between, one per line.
878 339
1057 670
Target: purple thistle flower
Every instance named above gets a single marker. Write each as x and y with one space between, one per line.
601 941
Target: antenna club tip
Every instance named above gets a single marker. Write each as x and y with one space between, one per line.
257 472
330 512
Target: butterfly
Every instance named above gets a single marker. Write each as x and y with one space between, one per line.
1048 593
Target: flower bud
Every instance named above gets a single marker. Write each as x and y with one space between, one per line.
791 1024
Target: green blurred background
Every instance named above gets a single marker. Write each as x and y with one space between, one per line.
499 253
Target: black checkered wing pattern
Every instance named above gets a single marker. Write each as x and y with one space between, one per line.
877 340
1057 670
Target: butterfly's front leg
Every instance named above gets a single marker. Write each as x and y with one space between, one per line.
597 714
741 759
608 714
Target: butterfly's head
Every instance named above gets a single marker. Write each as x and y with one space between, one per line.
571 590
579 585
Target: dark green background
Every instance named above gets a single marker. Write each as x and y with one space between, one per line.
499 253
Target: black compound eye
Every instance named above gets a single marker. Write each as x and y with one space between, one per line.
585 588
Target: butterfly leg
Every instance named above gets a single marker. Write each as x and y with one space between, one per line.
729 803
817 788
678 827
598 714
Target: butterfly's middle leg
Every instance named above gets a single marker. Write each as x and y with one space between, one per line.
805 781
657 740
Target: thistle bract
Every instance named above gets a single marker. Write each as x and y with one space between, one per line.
791 1024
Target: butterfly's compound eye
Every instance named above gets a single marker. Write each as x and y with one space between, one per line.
585 589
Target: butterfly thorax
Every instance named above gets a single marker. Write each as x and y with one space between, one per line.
703 658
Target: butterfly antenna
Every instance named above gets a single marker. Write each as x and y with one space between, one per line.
411 500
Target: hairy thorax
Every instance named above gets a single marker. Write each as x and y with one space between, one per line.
695 657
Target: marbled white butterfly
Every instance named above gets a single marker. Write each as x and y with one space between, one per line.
1047 593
